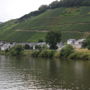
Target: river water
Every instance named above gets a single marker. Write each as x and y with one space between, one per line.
26 73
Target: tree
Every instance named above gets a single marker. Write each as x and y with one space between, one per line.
52 38
54 4
43 8
86 43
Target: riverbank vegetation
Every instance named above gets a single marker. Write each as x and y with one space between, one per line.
65 53
74 54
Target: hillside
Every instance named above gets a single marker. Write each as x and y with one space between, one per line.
73 22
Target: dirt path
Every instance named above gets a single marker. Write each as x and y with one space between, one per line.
32 31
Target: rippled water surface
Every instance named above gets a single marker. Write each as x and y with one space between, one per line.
25 73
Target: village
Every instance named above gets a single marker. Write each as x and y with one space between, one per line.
73 42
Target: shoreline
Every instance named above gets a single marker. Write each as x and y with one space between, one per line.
80 54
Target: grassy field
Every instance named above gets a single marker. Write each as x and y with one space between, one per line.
72 22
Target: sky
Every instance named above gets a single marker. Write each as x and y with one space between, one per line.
12 9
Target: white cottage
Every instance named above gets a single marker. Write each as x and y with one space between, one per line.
76 43
7 46
79 43
71 41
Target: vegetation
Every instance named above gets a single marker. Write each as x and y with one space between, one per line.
80 56
66 51
86 43
71 17
67 54
52 38
26 46
43 53
57 4
16 51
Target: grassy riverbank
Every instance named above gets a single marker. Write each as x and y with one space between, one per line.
78 54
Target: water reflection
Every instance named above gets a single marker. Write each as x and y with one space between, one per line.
26 73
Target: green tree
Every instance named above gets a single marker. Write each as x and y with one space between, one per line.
52 38
54 4
43 8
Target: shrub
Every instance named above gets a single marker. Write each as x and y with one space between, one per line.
17 50
47 53
57 54
80 56
38 47
35 53
43 53
26 46
66 51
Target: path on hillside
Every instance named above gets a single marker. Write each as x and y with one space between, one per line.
74 31
32 31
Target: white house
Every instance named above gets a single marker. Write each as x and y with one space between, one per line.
60 45
71 41
75 43
79 43
7 46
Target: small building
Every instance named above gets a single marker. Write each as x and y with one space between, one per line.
79 43
71 41
60 45
7 46
76 43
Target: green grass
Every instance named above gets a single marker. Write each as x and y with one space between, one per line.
72 22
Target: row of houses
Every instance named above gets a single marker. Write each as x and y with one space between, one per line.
75 43
6 45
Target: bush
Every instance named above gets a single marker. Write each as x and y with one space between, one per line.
26 46
57 54
43 53
38 47
66 51
80 56
35 53
47 53
17 50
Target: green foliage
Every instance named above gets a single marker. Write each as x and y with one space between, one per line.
80 56
43 53
86 43
17 50
26 46
43 8
52 38
38 47
47 53
66 51
35 53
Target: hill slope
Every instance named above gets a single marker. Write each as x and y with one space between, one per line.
72 22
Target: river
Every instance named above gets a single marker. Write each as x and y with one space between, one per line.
26 73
